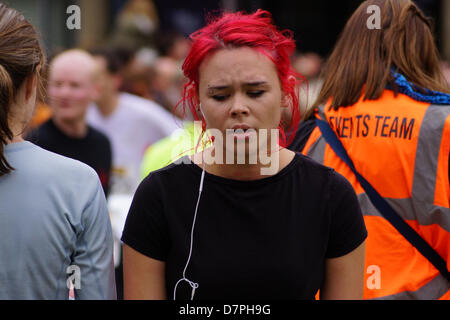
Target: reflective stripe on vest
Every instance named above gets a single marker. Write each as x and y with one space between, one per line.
422 205
432 290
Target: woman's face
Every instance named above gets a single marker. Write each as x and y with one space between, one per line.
240 88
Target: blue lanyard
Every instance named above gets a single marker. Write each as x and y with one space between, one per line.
405 87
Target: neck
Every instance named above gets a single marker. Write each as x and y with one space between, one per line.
15 139
73 128
17 129
108 104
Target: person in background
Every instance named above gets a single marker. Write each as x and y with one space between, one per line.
135 25
71 88
308 64
184 141
173 45
54 221
132 124
166 84
384 97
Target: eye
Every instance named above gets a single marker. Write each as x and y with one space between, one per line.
220 97
255 93
56 84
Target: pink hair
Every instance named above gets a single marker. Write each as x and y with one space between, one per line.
234 30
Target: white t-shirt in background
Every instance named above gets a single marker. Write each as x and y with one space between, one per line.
136 124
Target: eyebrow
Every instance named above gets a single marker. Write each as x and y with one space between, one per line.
256 83
250 84
217 88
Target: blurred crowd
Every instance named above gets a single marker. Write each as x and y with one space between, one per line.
147 62
118 107
133 99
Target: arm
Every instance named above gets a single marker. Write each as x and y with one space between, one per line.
344 276
145 243
144 277
345 258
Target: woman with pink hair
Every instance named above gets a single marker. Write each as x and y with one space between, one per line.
245 218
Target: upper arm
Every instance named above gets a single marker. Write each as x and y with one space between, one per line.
144 277
344 276
146 243
344 264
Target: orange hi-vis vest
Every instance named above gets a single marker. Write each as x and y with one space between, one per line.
401 147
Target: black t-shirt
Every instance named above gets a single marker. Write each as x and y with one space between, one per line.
260 239
94 149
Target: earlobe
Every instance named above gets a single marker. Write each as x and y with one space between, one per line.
285 101
200 112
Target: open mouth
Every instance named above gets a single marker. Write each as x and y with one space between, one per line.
241 132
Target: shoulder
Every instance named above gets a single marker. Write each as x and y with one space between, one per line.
57 167
161 188
323 179
336 181
171 175
340 184
314 168
173 169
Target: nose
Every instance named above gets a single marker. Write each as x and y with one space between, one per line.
239 107
65 91
59 95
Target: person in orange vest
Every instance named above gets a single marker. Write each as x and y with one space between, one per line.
386 102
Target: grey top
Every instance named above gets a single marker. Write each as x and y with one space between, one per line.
54 228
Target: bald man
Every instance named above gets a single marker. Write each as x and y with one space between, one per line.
71 88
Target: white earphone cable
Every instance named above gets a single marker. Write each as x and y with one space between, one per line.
194 285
